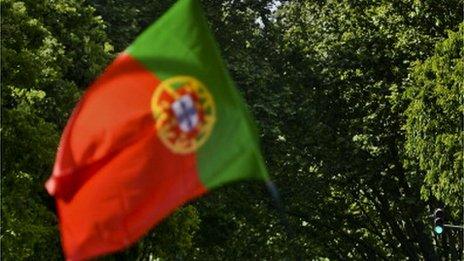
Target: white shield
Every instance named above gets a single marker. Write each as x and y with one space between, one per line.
186 113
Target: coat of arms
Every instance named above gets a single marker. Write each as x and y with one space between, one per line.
184 112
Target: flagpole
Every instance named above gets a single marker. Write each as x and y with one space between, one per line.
272 189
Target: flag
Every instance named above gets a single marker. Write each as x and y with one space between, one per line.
162 125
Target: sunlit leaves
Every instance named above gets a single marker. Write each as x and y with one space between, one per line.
434 121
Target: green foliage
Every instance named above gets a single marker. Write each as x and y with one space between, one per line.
434 121
42 42
29 228
352 126
126 19
172 239
332 125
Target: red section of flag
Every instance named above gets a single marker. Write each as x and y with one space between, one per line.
113 178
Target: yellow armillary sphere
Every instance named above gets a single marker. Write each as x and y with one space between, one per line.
184 113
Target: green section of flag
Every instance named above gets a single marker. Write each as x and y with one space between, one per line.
180 43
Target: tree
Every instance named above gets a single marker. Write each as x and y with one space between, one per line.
352 126
344 67
49 50
434 121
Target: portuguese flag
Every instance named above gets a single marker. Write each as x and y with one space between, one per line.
163 124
